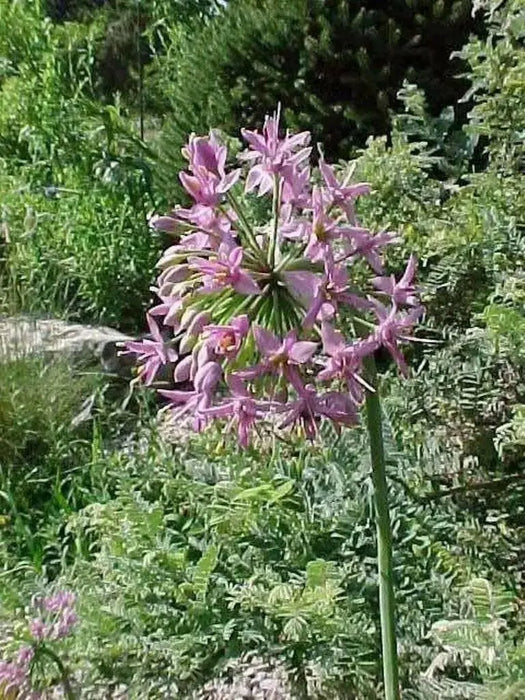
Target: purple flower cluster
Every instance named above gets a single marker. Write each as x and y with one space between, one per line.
15 681
257 311
56 619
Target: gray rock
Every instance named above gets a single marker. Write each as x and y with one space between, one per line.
23 336
249 678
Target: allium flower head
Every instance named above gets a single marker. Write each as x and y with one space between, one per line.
265 318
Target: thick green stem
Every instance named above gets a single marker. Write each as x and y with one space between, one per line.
66 685
384 536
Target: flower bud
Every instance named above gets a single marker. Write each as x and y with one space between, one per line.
181 372
198 322
187 343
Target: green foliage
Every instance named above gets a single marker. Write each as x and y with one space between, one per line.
498 89
86 253
42 455
213 557
335 67
186 557
75 180
132 33
478 640
51 459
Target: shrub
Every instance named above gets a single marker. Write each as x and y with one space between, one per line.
336 67
42 455
85 253
73 218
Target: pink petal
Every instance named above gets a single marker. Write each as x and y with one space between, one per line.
191 184
358 189
207 377
241 324
224 410
333 341
328 174
297 139
409 272
154 329
244 284
235 256
267 342
164 223
303 283
266 185
228 181
313 312
181 372
302 351
255 140
236 385
176 396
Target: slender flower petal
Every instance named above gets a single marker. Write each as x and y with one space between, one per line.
271 156
402 292
225 271
363 244
152 354
343 196
393 327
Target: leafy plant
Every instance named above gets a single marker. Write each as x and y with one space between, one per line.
477 641
334 66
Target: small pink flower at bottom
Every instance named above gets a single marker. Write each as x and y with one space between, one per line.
59 601
39 630
13 679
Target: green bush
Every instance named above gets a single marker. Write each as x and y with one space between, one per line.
56 421
335 67
43 457
76 184
216 555
85 254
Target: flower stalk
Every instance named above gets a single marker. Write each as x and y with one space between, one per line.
64 676
259 311
384 535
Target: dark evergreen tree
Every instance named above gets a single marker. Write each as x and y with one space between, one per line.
335 65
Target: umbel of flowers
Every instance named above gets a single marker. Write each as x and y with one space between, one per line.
54 620
272 303
263 314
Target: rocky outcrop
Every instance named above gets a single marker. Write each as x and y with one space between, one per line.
249 679
23 336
